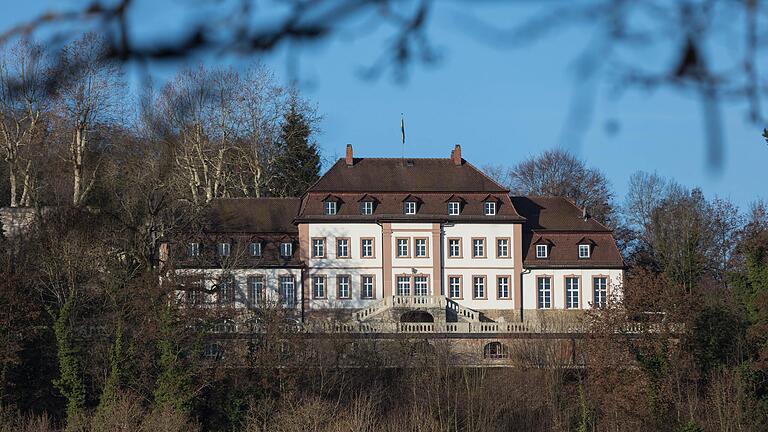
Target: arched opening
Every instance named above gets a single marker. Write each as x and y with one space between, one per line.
417 316
495 350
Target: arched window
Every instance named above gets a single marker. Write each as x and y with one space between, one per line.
495 350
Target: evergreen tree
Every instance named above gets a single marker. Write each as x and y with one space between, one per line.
298 166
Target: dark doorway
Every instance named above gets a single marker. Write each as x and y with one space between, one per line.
417 316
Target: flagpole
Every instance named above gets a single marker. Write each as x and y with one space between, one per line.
402 131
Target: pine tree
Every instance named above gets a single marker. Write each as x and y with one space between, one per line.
298 167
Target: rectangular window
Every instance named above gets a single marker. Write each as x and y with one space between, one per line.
193 249
541 251
366 248
367 287
318 248
478 287
544 290
421 285
344 290
571 292
454 248
601 291
421 247
287 291
403 285
330 207
402 247
502 248
255 290
318 287
454 287
366 207
502 284
478 248
454 208
584 251
254 249
342 248
226 295
195 294
410 207
286 250
490 208
224 249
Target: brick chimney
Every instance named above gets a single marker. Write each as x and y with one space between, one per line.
350 161
456 155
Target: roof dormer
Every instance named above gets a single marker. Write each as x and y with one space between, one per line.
331 204
411 204
368 204
491 205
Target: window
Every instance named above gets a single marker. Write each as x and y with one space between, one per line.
544 290
330 207
402 247
286 250
421 285
213 351
541 251
421 247
601 291
478 287
410 207
366 248
454 248
584 251
342 284
224 249
478 248
489 208
403 285
254 249
287 291
255 290
502 248
502 284
193 249
195 296
318 287
454 287
454 208
318 248
366 207
571 292
495 350
342 248
367 288
226 295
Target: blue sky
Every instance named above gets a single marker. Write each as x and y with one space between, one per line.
501 104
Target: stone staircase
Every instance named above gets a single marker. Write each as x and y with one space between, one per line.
387 304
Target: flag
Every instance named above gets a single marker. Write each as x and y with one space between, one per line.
402 128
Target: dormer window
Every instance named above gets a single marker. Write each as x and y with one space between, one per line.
286 249
330 207
454 208
584 251
254 249
366 207
224 249
489 208
193 249
541 251
410 208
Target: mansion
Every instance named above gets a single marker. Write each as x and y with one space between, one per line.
379 240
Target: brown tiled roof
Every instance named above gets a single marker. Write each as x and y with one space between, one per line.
432 206
239 253
405 175
564 251
554 214
253 215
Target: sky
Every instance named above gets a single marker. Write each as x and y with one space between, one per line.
502 104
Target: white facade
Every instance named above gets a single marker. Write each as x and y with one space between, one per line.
557 277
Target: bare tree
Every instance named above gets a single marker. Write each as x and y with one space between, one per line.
88 100
23 104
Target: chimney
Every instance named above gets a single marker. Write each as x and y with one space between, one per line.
349 159
456 155
584 213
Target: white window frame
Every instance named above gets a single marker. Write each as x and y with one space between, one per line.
366 250
417 246
224 249
366 207
451 244
584 251
489 208
478 287
342 245
402 242
330 208
421 285
502 287
600 291
193 249
367 287
454 283
255 289
286 249
318 286
478 248
286 284
542 301
344 286
403 285
454 208
318 248
572 292
542 251
502 245
227 289
409 208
